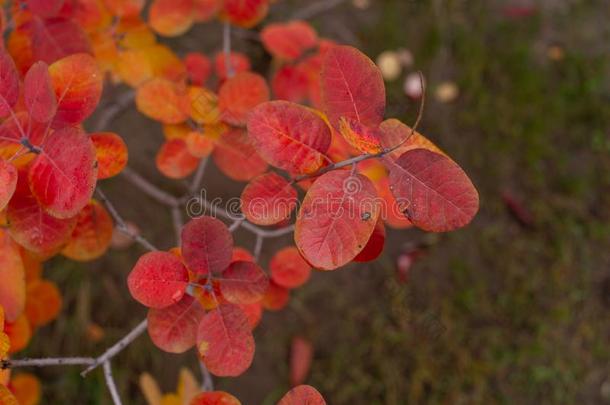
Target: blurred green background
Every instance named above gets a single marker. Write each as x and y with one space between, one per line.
496 313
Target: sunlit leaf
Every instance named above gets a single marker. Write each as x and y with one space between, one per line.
158 280
26 388
7 397
63 176
92 235
290 136
239 95
39 96
432 191
77 82
243 282
289 269
199 145
336 219
393 133
174 328
162 100
19 333
245 13
268 199
43 302
364 139
125 8
302 395
110 153
225 342
171 17
352 87
133 66
206 245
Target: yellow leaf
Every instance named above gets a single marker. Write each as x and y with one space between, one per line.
188 387
150 389
6 398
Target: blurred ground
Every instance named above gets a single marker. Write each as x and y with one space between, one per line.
496 313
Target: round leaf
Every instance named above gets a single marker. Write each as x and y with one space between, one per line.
206 245
289 269
243 283
268 199
174 328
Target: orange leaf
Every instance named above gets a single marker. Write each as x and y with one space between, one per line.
199 145
175 161
289 40
206 9
225 341
19 332
77 83
268 199
336 219
92 235
204 105
162 100
125 8
239 95
110 153
301 353
43 303
289 269
12 287
133 67
393 132
26 388
174 328
237 158
302 395
171 17
364 139
290 136
6 397
276 297
245 13
432 191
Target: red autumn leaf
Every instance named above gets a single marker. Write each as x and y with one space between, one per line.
289 40
174 328
110 153
268 199
241 254
225 342
276 297
19 332
204 10
171 17
175 161
206 245
31 226
365 139
289 269
45 8
236 60
124 8
8 182
254 312
199 144
336 219
517 209
12 274
239 95
243 283
352 87
302 395
290 136
198 67
158 280
9 83
162 100
290 83
374 246
92 235
237 158
393 216
43 302
63 175
38 91
56 38
432 191
301 353
215 398
245 13
77 82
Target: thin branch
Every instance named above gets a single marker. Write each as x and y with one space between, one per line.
258 247
315 9
149 189
208 382
121 224
178 223
112 110
59 361
198 178
117 347
114 392
226 47
236 224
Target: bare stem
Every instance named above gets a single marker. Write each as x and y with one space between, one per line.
121 224
315 9
208 382
117 347
178 223
198 178
58 361
149 189
113 109
114 392
258 247
226 46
